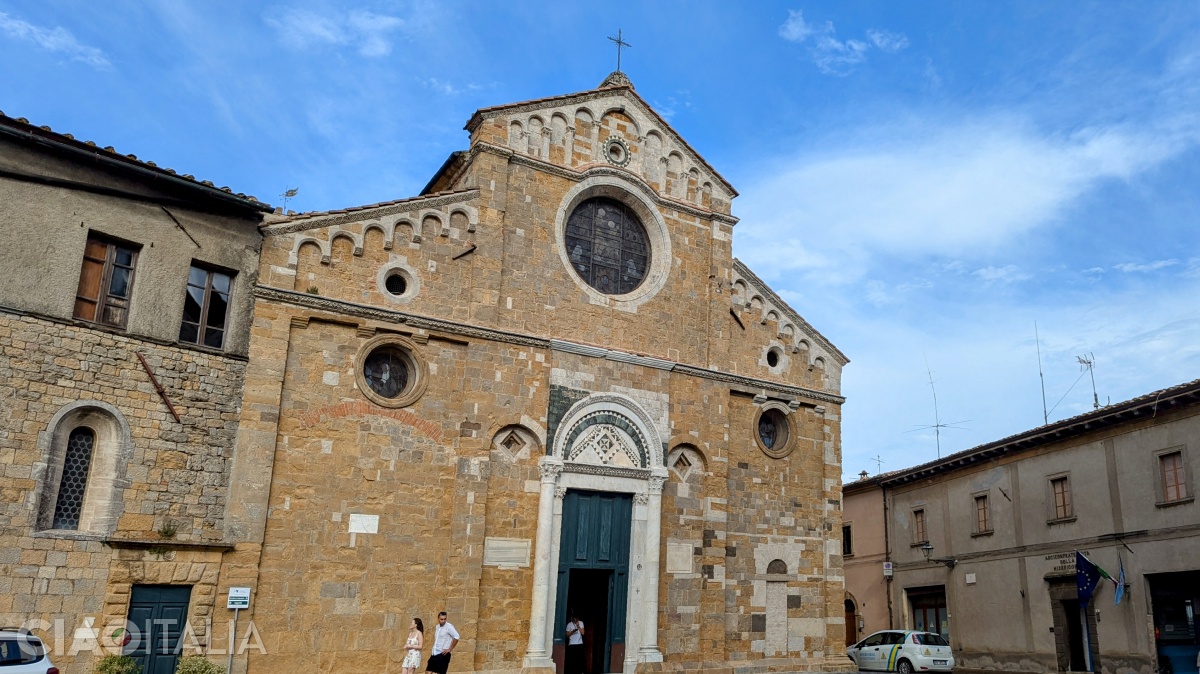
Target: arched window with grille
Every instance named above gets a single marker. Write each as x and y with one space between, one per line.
73 485
81 476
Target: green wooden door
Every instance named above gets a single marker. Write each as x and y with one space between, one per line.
595 546
159 613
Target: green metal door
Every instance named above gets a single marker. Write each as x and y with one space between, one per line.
595 544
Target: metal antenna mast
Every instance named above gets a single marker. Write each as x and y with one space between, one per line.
1045 414
1088 363
937 425
878 464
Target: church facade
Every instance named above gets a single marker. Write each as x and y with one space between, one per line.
543 384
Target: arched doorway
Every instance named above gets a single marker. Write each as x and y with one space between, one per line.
851 621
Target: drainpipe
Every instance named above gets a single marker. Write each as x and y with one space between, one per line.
887 553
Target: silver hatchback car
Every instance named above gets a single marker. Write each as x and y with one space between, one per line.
902 651
23 653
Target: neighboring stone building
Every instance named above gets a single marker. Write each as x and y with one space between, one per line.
545 381
1001 523
119 276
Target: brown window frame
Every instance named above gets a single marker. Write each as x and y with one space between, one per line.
205 306
847 540
1180 472
103 298
920 533
1062 502
983 514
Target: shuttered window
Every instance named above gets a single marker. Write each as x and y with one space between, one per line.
105 281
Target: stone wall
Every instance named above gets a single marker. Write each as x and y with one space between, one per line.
161 474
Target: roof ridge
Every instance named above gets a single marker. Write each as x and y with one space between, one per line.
109 152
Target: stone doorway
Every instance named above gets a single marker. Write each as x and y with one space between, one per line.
593 576
158 614
1074 627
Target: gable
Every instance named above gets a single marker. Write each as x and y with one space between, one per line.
610 126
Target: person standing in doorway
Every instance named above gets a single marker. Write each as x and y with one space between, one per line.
575 652
445 638
414 644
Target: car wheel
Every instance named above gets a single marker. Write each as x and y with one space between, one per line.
904 667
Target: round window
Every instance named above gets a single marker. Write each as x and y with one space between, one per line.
773 358
773 433
396 284
386 372
607 246
390 372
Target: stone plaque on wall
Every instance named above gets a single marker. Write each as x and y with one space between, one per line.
509 553
364 524
679 558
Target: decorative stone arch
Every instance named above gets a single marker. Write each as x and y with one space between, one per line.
613 409
518 441
294 255
787 332
376 225
617 109
469 214
801 345
356 242
686 461
771 315
638 197
756 303
739 291
626 419
414 229
443 225
112 449
516 134
777 566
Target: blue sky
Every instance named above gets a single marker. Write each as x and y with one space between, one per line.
922 181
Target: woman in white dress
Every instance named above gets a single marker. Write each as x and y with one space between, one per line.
416 641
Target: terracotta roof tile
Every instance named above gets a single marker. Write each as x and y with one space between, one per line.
45 132
365 207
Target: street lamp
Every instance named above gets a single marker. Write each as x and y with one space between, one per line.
927 550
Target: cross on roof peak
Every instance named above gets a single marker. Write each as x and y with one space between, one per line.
620 43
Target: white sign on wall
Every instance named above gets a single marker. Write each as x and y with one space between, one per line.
364 524
239 597
506 553
887 569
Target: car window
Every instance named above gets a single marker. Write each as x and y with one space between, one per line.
893 638
874 639
18 650
929 639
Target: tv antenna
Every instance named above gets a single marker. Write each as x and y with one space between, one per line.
878 464
937 425
1088 363
1045 413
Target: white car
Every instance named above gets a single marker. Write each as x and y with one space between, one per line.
23 653
902 651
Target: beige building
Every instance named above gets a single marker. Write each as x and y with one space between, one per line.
543 383
120 277
983 542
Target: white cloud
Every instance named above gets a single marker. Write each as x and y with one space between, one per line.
831 55
1149 266
928 188
795 29
57 39
887 41
834 57
1006 274
369 33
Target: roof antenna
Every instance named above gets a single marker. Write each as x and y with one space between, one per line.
1045 414
1088 363
937 419
878 464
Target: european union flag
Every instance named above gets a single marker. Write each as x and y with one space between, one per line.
1086 577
